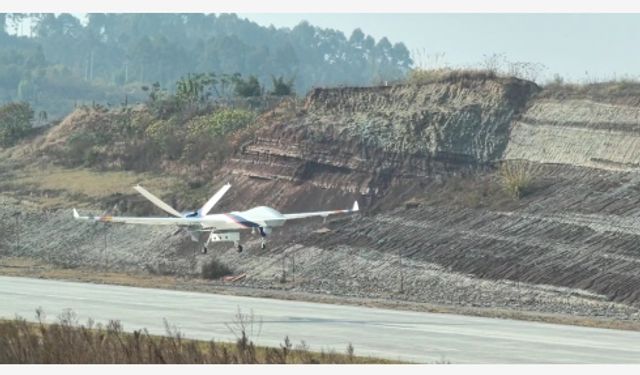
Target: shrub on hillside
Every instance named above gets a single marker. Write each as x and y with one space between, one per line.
221 122
423 76
214 269
207 135
247 88
516 177
15 122
281 87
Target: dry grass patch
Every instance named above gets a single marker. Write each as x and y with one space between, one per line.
95 184
445 75
68 342
517 177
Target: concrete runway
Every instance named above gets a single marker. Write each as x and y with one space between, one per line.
411 336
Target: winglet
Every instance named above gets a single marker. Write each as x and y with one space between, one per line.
355 208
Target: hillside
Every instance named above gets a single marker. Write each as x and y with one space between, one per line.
437 225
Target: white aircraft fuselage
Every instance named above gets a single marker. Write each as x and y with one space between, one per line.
221 227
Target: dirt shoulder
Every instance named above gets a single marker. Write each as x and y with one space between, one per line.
28 267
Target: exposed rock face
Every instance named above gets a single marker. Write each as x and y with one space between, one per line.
581 132
360 139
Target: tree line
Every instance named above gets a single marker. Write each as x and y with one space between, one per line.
62 60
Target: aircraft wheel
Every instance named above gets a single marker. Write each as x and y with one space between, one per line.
263 245
239 248
204 250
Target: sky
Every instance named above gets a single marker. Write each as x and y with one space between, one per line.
578 47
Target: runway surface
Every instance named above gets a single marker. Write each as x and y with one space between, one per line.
404 335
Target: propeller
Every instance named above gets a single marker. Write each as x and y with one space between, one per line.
157 201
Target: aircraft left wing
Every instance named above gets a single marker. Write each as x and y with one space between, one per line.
181 221
355 208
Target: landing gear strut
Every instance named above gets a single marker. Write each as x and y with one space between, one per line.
263 233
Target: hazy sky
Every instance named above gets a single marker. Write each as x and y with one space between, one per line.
603 45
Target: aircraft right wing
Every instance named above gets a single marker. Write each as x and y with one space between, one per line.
355 208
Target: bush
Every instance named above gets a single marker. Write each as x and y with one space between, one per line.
207 135
516 177
214 269
15 122
247 88
281 87
220 123
422 76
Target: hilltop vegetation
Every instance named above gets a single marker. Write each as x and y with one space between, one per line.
63 62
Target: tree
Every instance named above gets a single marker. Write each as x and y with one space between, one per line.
247 88
281 87
3 23
112 53
15 122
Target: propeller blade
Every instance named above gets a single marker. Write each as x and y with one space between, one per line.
155 200
214 199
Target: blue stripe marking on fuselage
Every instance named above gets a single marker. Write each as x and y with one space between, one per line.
242 221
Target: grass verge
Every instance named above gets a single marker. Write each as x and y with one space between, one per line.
68 342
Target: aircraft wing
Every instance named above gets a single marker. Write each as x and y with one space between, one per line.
355 208
180 221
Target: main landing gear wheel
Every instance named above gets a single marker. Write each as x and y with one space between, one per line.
263 245
204 250
239 247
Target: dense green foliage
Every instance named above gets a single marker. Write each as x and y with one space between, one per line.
64 63
15 122
248 88
171 129
281 87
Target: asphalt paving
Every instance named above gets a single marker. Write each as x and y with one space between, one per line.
394 334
